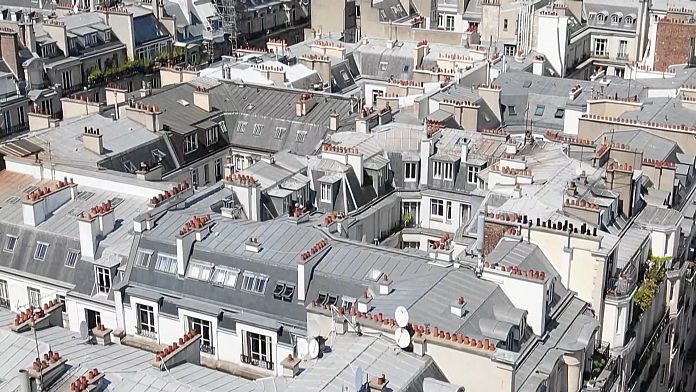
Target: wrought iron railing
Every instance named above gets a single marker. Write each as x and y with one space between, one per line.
256 362
146 333
207 348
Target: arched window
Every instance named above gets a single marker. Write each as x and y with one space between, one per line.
601 17
629 20
615 18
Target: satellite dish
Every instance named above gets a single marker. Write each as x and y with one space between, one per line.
402 337
84 331
313 329
401 316
313 348
359 380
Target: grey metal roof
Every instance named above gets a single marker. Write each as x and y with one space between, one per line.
652 146
125 368
374 355
658 217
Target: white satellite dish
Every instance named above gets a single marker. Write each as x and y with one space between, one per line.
84 331
401 316
402 337
313 329
359 380
313 348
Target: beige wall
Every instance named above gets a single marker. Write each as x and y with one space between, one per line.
122 26
76 108
176 75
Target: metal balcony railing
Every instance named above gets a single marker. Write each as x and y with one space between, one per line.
207 348
256 362
146 333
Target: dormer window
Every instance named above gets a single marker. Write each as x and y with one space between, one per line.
601 17
443 170
190 143
615 18
326 193
411 171
72 43
107 36
472 174
10 243
40 251
629 20
91 39
48 50
103 279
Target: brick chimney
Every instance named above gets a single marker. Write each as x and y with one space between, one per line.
201 98
305 103
422 49
40 203
378 384
92 140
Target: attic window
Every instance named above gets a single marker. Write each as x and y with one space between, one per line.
629 20
539 110
158 154
348 303
325 298
241 126
166 263
84 195
257 129
71 258
301 136
12 200
40 251
199 270
559 113
10 243
255 283
383 66
223 126
279 131
182 102
527 84
512 111
142 259
116 201
226 277
129 166
284 291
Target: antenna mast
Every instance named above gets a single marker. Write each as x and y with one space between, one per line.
229 11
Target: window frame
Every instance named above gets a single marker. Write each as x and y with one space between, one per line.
190 142
472 173
205 330
326 192
447 171
211 136
205 270
172 261
40 245
437 209
148 325
71 262
254 283
147 252
229 273
9 238
264 344
539 110
410 168
102 279
30 298
437 169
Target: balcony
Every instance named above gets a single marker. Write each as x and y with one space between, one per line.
5 303
207 348
256 362
605 378
146 334
14 129
622 284
622 56
647 352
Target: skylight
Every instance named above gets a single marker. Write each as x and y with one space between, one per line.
301 136
10 243
539 111
226 277
182 102
199 270
279 131
241 126
142 259
84 195
255 283
71 258
284 291
166 263
559 113
157 153
257 129
40 251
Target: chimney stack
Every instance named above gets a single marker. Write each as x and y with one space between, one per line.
94 225
379 384
195 229
92 140
305 103
40 203
201 98
333 122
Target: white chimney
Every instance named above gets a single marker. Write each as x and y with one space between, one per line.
93 226
305 266
248 191
457 308
385 285
195 229
40 203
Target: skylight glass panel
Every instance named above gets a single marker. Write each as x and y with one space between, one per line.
539 111
226 277
40 251
241 126
10 243
257 129
166 263
71 258
142 259
255 283
199 270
